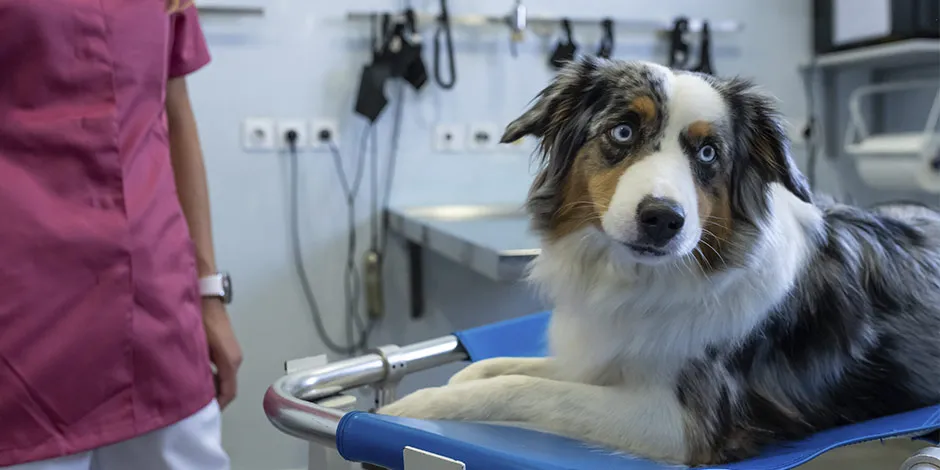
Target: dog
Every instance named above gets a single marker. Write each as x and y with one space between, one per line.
706 302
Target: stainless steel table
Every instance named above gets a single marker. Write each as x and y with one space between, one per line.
492 240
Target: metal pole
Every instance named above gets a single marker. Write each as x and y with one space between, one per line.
290 403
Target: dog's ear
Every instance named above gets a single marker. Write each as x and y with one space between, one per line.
772 147
764 139
567 94
559 118
533 121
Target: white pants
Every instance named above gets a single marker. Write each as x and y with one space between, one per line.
193 443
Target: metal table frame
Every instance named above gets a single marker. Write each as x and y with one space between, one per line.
291 402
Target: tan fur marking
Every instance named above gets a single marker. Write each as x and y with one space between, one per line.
765 151
715 215
588 190
645 106
700 130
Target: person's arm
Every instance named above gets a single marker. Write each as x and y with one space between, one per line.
190 175
190 172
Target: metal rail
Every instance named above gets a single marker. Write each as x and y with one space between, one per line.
553 21
291 402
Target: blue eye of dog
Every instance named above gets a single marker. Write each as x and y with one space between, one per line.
707 154
622 133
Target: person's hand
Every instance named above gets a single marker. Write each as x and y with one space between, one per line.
224 351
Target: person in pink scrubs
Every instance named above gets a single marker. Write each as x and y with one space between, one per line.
112 312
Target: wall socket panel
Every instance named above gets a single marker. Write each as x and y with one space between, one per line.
258 134
449 138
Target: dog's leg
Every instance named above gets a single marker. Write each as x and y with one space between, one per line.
646 422
543 367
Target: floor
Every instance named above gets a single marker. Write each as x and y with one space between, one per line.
887 455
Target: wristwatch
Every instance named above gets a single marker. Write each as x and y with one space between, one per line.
217 285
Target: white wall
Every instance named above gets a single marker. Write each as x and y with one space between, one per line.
302 60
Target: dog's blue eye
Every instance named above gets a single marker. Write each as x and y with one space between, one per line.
622 133
707 154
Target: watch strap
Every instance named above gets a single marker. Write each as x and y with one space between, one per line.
212 285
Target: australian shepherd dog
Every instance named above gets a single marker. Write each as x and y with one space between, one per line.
705 302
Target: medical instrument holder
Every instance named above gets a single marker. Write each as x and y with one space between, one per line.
918 150
857 129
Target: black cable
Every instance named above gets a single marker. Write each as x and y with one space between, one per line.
360 160
352 280
352 285
374 196
392 160
443 27
301 269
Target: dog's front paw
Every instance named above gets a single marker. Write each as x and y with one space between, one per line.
428 403
475 371
488 368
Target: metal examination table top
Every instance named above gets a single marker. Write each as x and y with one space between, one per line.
492 240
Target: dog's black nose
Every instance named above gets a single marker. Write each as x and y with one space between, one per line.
660 220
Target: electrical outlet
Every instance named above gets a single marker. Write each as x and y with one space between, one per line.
322 132
482 136
258 134
297 125
449 138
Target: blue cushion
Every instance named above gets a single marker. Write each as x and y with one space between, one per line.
518 337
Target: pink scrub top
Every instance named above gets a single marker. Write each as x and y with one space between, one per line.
101 335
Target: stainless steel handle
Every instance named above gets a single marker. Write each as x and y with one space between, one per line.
290 403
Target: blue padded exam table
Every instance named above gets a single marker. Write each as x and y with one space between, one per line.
291 404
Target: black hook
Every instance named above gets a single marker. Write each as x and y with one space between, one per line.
705 52
386 26
374 37
411 21
607 40
678 48
566 26
564 51
416 73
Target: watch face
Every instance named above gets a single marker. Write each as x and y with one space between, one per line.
226 289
